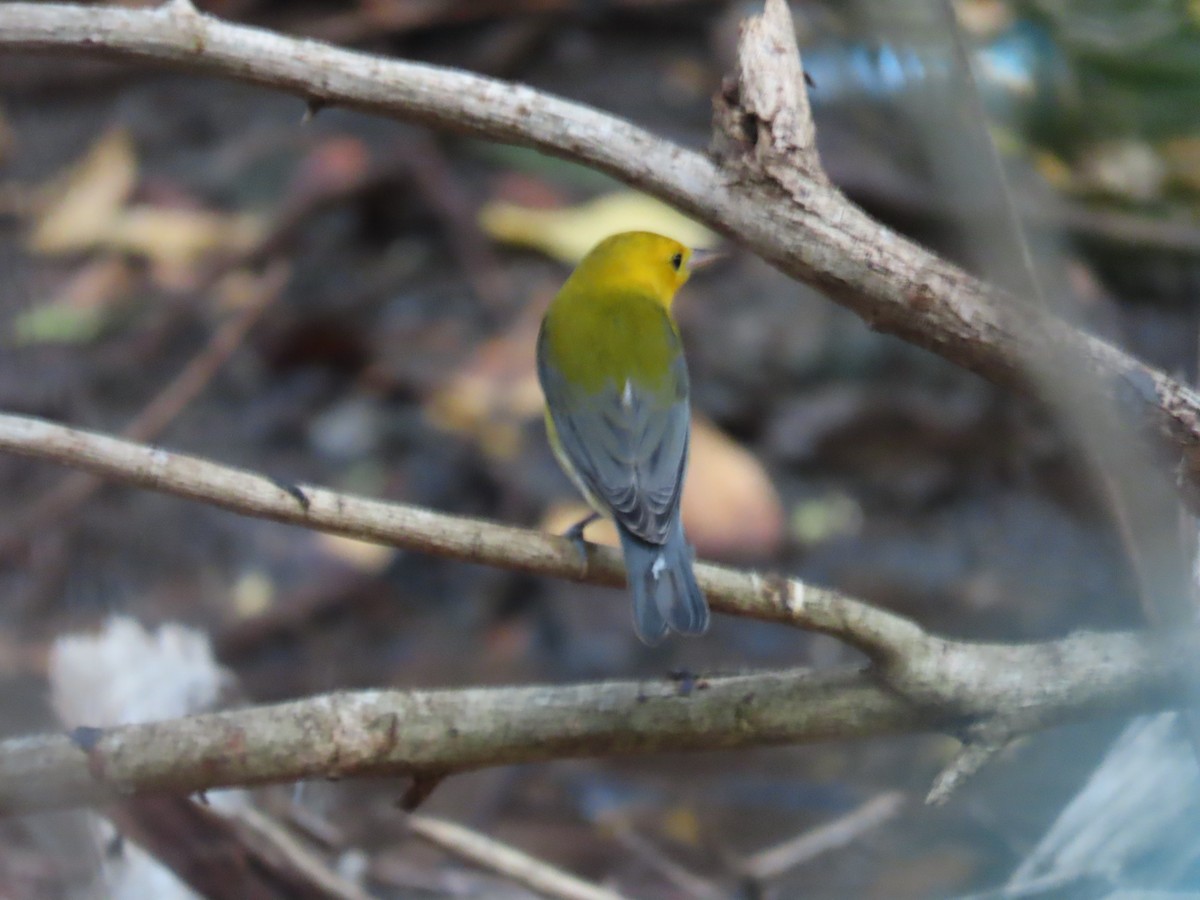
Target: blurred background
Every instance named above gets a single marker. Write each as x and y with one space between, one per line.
352 302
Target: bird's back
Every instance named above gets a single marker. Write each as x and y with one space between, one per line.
597 338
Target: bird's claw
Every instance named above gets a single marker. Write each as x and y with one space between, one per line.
574 534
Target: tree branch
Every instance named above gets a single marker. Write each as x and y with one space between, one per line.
438 732
765 189
919 681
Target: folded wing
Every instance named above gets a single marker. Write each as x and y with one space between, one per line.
628 442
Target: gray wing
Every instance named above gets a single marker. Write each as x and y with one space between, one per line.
628 446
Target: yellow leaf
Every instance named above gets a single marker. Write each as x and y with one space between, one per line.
1052 168
87 209
180 237
568 233
78 207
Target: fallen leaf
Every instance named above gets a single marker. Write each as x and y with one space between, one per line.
77 207
568 233
496 392
1052 168
682 825
824 518
1182 156
8 137
87 209
983 20
331 168
730 508
80 309
1125 169
528 190
177 237
253 594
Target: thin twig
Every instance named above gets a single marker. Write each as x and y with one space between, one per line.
241 855
490 854
669 869
977 750
772 862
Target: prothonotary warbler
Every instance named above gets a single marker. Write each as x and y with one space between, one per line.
611 364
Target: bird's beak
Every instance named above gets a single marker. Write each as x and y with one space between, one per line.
702 258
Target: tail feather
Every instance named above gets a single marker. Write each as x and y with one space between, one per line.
665 593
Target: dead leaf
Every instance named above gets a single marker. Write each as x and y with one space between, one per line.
253 594
87 209
1182 156
175 239
497 391
824 518
683 825
78 206
8 137
730 508
527 190
568 233
78 312
331 168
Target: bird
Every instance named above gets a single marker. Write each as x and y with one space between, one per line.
611 365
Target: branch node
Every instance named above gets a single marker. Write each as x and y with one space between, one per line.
419 790
180 8
294 491
312 106
978 749
763 124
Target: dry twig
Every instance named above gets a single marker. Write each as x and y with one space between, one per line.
488 853
772 862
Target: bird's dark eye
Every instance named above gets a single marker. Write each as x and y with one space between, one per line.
677 261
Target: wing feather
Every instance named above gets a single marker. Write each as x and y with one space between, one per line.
628 444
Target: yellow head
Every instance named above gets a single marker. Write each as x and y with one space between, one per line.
635 261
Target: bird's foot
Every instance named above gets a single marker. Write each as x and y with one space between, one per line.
574 534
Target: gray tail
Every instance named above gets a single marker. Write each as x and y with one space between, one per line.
665 593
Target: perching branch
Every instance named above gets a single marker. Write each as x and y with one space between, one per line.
918 681
765 188
434 733
419 733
